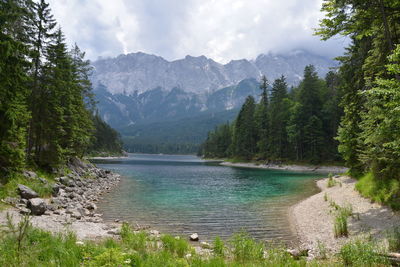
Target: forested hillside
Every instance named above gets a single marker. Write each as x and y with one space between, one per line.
358 106
297 125
46 102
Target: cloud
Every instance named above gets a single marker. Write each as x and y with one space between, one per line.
220 29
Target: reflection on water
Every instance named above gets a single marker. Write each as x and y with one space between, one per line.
183 194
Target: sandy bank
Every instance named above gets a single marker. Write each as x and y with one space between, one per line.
312 219
305 168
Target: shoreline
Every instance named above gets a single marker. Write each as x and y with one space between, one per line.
72 206
312 219
288 167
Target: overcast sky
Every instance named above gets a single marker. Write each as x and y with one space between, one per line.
220 29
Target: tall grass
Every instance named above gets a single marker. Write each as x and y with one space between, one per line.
381 191
362 253
394 239
340 220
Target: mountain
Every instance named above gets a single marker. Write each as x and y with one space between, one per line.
159 105
162 106
140 72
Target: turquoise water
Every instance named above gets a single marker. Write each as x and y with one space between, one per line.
184 194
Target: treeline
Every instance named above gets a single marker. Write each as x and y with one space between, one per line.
132 145
299 124
46 103
369 72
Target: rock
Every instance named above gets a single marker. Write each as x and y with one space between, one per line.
30 175
12 200
55 189
76 214
65 181
194 237
37 206
205 245
297 253
44 181
113 232
26 192
24 211
79 243
23 201
155 232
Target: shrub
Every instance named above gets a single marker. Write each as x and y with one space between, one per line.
361 253
384 191
331 182
340 226
219 247
394 239
246 248
175 245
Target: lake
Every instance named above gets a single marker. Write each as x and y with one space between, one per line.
184 194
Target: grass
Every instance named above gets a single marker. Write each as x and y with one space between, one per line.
10 188
331 182
340 227
23 245
381 191
362 253
394 239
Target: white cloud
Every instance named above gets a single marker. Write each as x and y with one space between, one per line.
222 30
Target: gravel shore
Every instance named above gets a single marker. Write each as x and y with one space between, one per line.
73 205
312 219
304 168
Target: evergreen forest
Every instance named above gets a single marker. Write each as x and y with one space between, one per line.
352 115
47 111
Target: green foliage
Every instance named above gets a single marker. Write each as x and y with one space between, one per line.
394 239
381 191
362 253
45 92
340 220
331 182
245 248
106 139
219 247
369 81
244 133
300 126
174 245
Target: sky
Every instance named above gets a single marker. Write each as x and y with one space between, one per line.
219 29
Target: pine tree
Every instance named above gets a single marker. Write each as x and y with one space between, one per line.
41 34
244 138
262 120
13 90
279 117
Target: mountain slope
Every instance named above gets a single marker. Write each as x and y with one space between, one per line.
140 72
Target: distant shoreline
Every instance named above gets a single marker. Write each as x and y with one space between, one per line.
289 167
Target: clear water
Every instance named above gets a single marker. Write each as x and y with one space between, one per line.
184 194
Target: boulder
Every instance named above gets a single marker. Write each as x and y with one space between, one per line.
26 192
194 237
30 175
12 200
65 181
55 189
37 206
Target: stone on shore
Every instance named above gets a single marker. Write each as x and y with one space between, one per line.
30 175
37 206
194 237
26 192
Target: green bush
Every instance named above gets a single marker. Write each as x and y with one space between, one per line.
219 247
246 248
331 182
362 253
384 191
394 239
175 245
340 226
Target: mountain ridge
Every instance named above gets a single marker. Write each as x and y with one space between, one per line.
140 72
